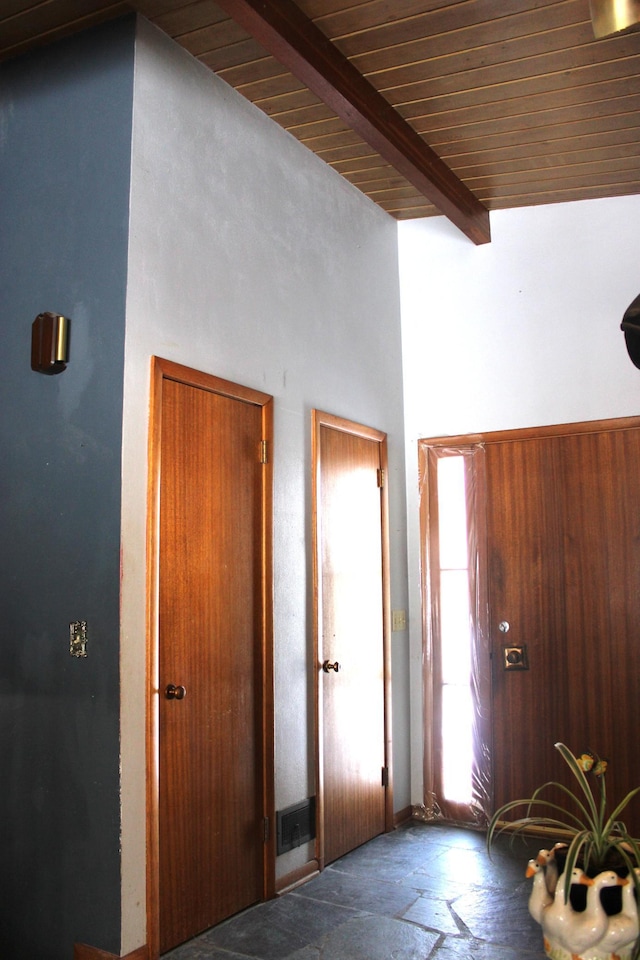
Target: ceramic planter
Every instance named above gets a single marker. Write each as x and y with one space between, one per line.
600 920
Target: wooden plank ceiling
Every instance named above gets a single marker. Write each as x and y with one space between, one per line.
516 97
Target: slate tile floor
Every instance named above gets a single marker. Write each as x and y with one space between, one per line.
423 892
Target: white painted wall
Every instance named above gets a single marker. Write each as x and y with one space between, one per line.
251 260
521 332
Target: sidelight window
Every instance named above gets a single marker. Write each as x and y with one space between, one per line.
455 630
456 674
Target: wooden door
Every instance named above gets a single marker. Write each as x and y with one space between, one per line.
525 518
213 668
351 576
563 535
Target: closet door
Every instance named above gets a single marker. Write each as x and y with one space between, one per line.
213 662
352 660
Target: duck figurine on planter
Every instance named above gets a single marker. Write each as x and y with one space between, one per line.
578 934
622 929
549 861
556 918
540 897
599 856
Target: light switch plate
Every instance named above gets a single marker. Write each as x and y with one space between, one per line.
398 620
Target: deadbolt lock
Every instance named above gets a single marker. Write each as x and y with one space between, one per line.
515 658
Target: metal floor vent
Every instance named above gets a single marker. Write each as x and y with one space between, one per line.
296 825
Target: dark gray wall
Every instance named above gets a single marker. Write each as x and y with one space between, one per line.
65 142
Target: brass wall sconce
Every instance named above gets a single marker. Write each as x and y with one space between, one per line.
50 343
609 17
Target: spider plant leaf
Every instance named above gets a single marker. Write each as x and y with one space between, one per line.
578 773
618 810
586 813
575 848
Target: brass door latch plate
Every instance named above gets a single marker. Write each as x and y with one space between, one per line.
515 658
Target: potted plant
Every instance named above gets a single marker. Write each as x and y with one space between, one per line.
596 853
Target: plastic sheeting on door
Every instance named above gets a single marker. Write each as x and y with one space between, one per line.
475 807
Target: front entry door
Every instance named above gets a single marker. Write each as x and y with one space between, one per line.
563 535
555 537
212 668
355 799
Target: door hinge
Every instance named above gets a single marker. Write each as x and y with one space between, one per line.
264 453
266 827
380 477
385 776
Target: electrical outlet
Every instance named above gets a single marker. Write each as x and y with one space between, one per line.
78 638
398 620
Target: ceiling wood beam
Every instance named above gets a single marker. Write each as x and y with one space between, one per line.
288 35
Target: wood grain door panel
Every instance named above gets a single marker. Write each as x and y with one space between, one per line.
602 598
525 574
211 809
351 587
564 570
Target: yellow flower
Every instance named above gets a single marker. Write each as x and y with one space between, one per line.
600 768
585 762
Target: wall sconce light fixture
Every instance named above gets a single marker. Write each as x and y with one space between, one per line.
631 326
49 343
614 16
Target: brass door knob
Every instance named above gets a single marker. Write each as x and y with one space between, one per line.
174 692
327 666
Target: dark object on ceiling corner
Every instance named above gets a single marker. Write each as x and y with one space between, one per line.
631 326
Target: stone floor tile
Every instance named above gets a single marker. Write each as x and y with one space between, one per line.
470 949
382 862
372 938
372 896
429 884
432 914
199 949
501 918
462 866
274 930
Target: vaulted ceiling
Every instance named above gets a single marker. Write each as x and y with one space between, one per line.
427 106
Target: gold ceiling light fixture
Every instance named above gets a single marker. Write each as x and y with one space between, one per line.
609 17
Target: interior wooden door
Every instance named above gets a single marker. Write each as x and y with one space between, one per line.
563 538
350 575
212 669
